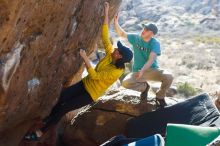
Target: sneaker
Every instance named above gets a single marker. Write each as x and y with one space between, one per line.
161 103
31 137
144 94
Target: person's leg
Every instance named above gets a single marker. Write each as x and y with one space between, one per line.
70 99
74 103
162 76
72 91
66 95
167 80
130 82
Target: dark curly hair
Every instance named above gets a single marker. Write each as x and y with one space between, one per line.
120 64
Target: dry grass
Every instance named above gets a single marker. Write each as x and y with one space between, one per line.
207 40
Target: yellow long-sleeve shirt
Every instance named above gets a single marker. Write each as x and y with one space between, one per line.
105 73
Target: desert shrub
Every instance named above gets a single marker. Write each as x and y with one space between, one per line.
208 40
187 89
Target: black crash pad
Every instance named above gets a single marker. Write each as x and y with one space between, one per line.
119 140
198 110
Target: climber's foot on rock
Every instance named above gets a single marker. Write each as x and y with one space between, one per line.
160 103
33 136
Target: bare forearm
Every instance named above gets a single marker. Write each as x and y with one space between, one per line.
85 58
87 62
106 18
147 65
106 9
120 31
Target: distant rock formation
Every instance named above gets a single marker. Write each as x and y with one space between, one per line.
172 16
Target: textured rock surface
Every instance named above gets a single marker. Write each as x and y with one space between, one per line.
106 118
217 100
39 54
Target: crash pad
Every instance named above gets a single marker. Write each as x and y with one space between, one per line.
198 110
188 135
215 142
155 140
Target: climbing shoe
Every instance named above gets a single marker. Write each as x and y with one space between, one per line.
31 137
160 103
144 94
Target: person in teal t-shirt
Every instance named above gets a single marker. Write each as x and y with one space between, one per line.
145 67
142 51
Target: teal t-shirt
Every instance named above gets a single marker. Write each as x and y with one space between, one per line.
142 51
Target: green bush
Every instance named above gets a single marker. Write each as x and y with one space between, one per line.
186 89
208 40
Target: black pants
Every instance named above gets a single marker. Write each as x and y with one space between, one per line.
71 98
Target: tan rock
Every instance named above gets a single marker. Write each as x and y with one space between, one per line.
106 118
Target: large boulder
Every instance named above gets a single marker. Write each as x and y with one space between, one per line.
39 48
106 118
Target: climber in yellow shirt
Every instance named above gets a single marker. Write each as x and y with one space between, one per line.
106 72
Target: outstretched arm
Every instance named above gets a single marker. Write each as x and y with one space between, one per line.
105 32
111 74
85 59
106 9
121 32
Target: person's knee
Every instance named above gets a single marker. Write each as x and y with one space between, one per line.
168 78
125 83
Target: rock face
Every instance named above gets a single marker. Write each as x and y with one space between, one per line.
217 101
39 48
106 118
